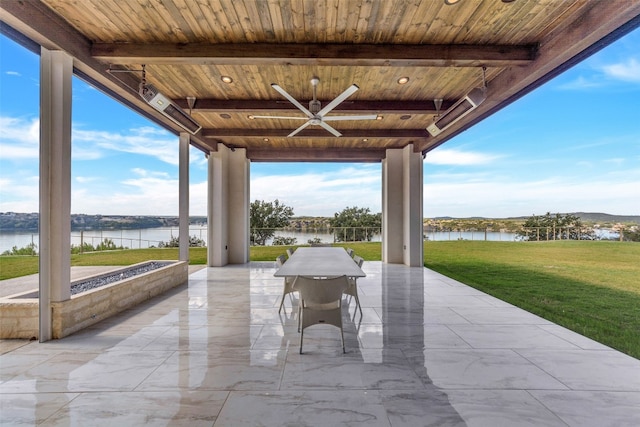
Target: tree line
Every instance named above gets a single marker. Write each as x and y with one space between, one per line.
359 224
350 224
21 222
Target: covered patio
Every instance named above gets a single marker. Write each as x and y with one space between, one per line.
428 351
385 81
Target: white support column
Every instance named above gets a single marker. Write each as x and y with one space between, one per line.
239 204
412 195
183 197
402 207
392 208
228 218
56 72
210 209
218 244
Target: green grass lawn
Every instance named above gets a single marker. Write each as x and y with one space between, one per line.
592 288
370 251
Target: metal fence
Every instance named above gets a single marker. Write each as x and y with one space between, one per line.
135 239
147 238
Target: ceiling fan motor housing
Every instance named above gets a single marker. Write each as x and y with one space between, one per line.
314 106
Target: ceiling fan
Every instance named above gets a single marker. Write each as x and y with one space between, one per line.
316 115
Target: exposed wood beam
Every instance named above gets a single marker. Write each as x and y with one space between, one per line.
602 24
317 54
314 133
311 155
356 107
44 27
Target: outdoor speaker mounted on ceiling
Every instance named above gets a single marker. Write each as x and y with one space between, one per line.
460 109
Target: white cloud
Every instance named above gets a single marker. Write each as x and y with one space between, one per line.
19 194
151 194
580 83
86 179
13 73
444 156
19 138
145 141
322 194
628 71
617 161
490 198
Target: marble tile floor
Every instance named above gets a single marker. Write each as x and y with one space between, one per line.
427 351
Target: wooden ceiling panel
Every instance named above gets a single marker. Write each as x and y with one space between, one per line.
252 82
330 21
187 45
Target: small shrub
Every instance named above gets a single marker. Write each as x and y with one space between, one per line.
284 241
30 249
194 242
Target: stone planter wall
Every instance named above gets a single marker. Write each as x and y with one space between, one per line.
19 316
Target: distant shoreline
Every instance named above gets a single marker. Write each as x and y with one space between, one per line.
29 222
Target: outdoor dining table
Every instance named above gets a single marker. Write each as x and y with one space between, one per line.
320 262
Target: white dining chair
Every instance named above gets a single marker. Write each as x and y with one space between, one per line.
320 303
352 289
288 281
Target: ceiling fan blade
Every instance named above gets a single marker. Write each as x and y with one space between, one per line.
292 99
330 129
280 117
361 117
333 104
300 128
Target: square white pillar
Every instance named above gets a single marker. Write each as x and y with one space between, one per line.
218 230
239 205
412 184
392 208
402 207
56 72
228 231
183 196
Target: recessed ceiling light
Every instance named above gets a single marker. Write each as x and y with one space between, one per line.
405 117
365 140
265 139
250 117
225 116
226 79
379 117
450 2
403 80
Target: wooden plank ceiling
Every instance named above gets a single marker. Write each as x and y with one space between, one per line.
186 47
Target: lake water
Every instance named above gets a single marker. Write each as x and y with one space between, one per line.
141 238
133 239
148 237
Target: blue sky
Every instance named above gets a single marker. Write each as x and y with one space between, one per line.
572 145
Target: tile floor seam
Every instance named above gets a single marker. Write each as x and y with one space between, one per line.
135 389
542 369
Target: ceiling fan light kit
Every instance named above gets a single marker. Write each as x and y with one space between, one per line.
315 115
